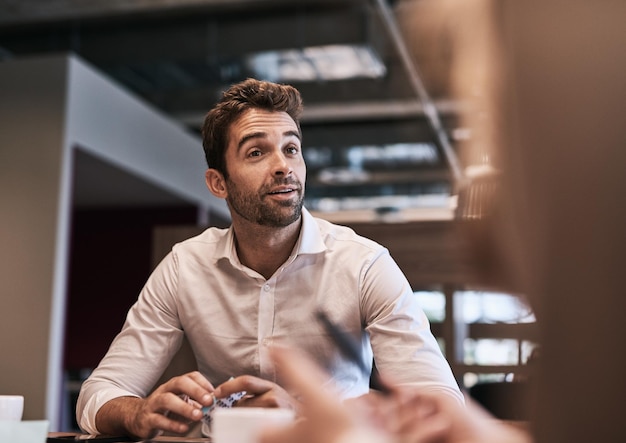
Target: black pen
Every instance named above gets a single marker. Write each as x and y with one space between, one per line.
352 350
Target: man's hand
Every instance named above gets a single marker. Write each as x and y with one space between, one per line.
163 410
259 393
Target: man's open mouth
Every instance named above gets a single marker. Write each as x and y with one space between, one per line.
283 191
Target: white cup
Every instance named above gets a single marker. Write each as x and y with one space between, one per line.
243 425
11 407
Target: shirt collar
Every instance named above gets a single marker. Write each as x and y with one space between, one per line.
310 240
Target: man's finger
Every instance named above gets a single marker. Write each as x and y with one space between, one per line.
169 423
248 383
201 380
193 385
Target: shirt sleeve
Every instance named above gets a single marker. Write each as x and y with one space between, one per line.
405 350
137 357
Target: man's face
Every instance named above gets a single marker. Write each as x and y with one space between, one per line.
266 169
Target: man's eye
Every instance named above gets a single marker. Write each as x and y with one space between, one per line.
254 153
292 149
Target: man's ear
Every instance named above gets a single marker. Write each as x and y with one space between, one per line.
215 182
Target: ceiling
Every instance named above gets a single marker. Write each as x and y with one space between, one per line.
378 144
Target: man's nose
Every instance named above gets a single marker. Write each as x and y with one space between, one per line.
281 165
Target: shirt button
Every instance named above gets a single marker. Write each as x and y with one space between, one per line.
266 288
267 342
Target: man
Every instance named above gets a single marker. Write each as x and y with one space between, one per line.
232 292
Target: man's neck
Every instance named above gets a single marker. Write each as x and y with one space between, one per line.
262 248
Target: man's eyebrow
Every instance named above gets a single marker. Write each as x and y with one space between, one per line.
250 136
293 133
260 134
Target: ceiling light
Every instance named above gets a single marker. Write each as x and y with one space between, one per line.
315 63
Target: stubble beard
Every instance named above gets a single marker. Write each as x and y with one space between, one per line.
255 209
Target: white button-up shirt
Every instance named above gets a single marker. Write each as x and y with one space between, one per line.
231 313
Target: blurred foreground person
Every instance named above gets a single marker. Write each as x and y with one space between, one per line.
555 88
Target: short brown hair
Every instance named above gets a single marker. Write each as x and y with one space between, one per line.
240 97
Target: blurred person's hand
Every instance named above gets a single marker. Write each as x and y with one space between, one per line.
322 417
405 415
430 417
